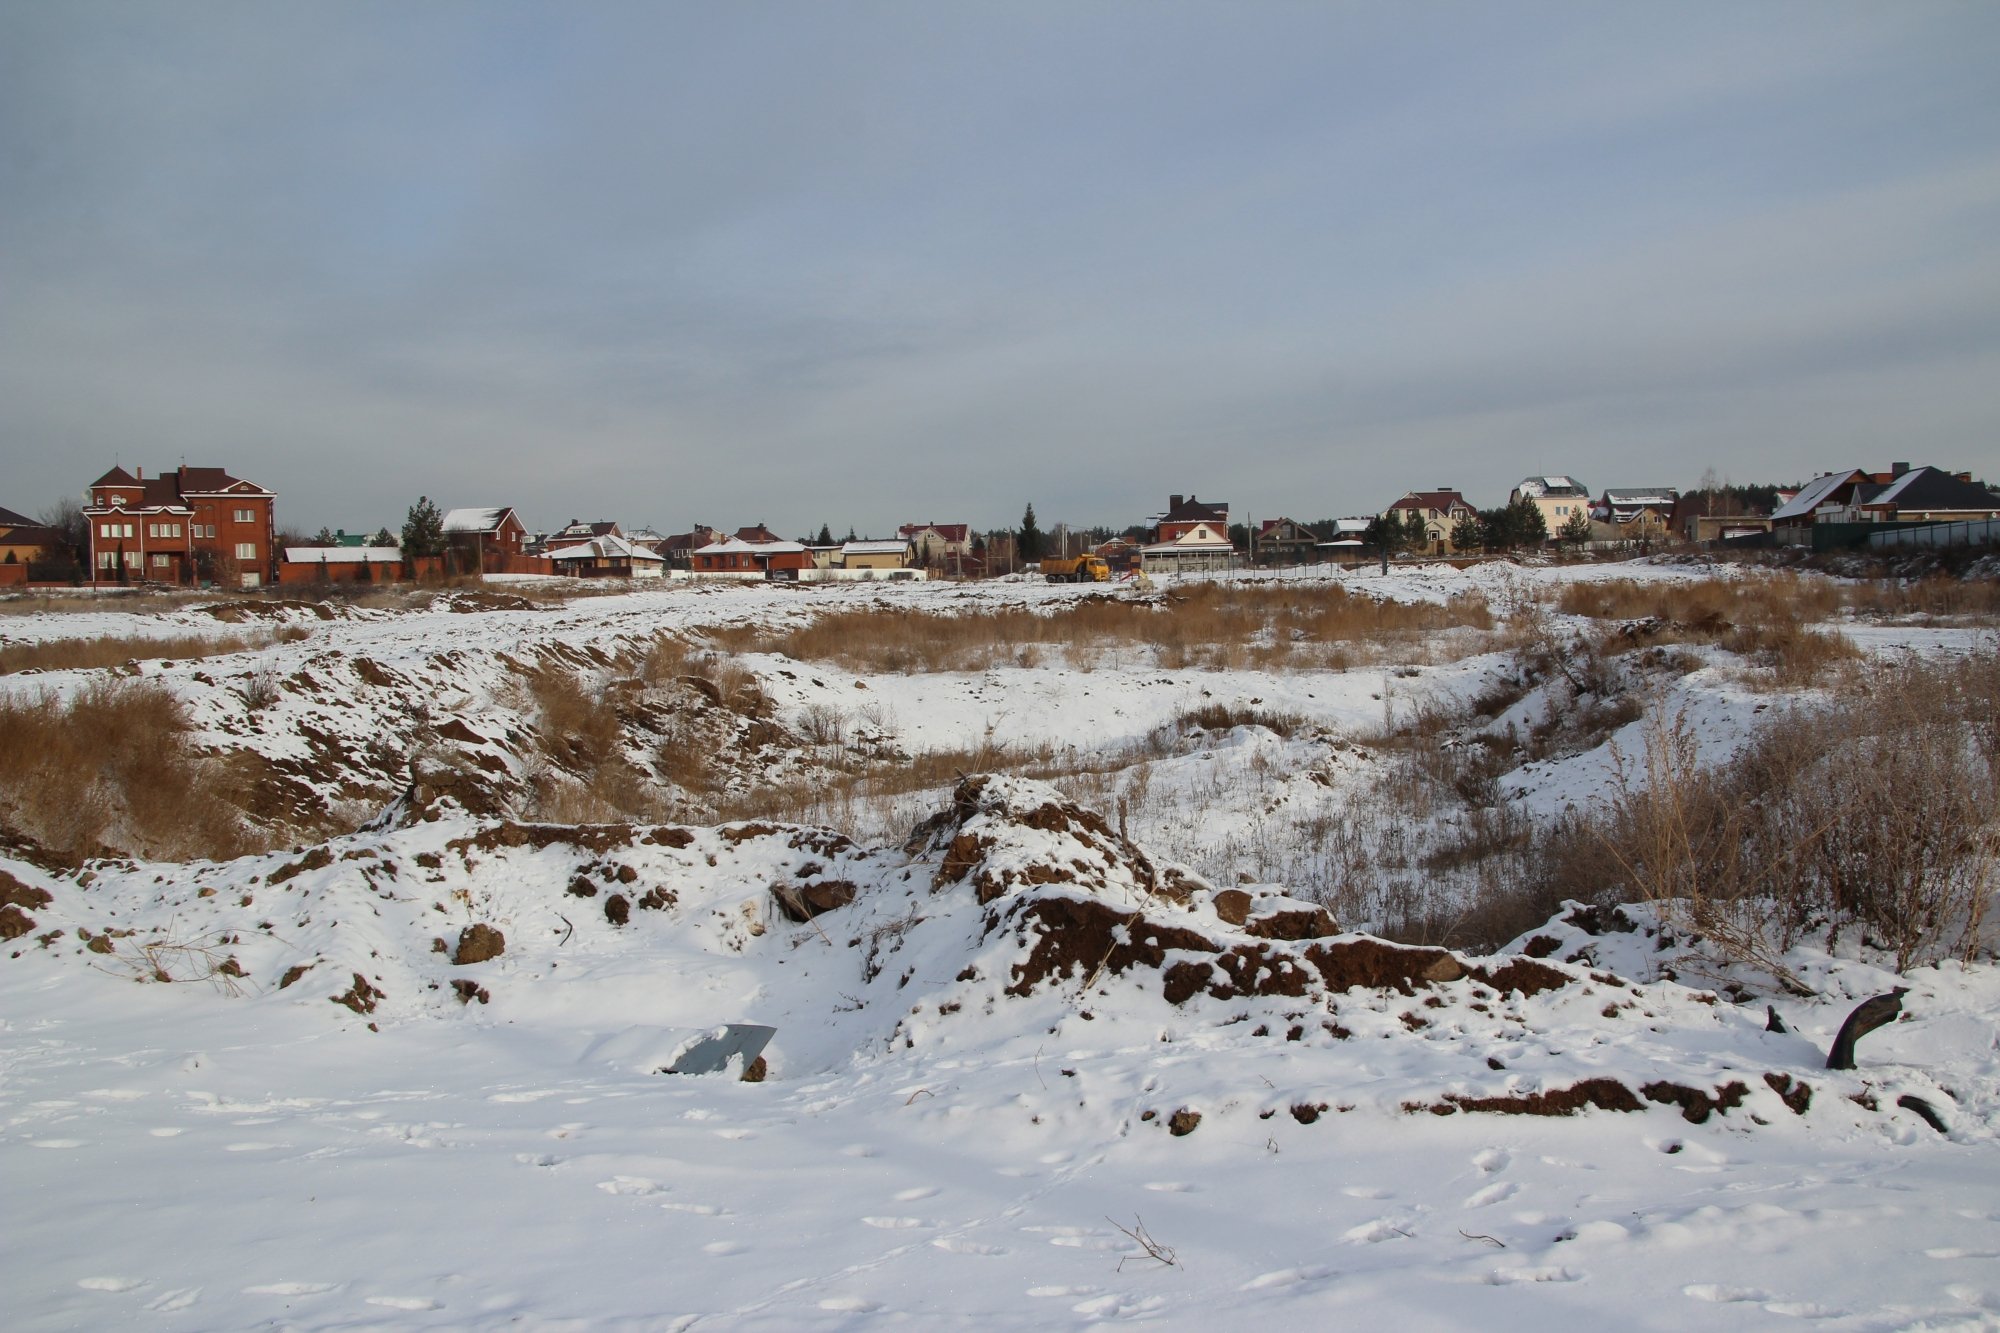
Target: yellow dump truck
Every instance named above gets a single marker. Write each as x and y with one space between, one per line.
1077 569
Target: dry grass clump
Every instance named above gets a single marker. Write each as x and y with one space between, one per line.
1767 621
1873 817
117 650
578 730
1213 626
112 769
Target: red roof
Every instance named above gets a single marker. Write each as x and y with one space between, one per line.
951 532
1445 500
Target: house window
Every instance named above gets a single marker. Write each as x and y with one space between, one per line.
115 530
163 529
246 550
246 516
204 529
161 560
107 559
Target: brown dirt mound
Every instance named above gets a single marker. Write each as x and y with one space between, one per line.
1696 1105
1606 1094
478 944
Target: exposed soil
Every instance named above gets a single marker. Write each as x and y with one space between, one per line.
478 944
1696 1105
1606 1094
360 997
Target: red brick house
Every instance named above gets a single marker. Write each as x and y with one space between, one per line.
737 558
485 540
1185 514
190 525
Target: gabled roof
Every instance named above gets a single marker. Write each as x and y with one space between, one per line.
1641 495
476 520
212 481
117 476
607 548
1815 493
1192 510
1552 487
1931 488
737 546
1445 500
1268 524
10 519
757 533
1200 537
951 532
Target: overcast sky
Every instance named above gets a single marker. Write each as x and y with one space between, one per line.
869 264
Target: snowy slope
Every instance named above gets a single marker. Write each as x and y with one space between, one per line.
982 1062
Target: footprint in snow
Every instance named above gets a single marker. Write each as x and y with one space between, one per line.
1367 1192
404 1302
1501 1277
537 1159
1494 1193
720 1248
860 1150
1721 1293
630 1185
1115 1306
178 1299
956 1245
911 1195
1170 1186
1286 1277
849 1305
290 1288
1492 1159
113 1284
1059 1292
1805 1310
895 1223
698 1209
166 1133
55 1143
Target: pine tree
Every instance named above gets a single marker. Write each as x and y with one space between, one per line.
1030 543
825 537
382 538
1467 533
1530 527
1575 529
423 530
1416 536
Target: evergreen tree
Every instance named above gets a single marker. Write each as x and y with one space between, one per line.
382 538
1030 541
1468 533
325 537
825 537
423 530
1575 530
1416 536
1530 528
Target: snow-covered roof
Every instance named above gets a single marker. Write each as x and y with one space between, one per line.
1814 494
874 547
1538 487
1640 495
737 546
343 555
607 548
474 520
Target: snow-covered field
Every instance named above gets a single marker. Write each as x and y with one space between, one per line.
1046 1065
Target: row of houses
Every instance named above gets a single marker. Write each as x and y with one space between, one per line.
203 525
